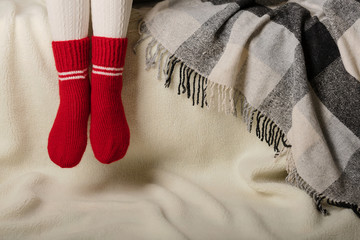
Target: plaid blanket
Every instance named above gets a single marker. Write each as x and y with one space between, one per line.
291 69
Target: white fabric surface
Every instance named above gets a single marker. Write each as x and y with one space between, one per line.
189 173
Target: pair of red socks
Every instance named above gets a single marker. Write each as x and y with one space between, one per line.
109 131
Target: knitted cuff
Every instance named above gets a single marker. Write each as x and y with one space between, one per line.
109 52
71 55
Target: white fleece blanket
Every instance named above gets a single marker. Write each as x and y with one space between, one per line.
178 181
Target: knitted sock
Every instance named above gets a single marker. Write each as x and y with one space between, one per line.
109 131
68 136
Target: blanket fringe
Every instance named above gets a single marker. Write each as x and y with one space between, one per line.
295 179
204 92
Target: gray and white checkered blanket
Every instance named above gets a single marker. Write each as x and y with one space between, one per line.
291 69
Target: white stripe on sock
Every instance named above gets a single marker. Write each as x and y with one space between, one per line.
72 78
107 68
107 73
72 72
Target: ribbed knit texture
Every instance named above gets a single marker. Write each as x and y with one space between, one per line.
71 55
68 136
110 18
109 52
68 19
109 130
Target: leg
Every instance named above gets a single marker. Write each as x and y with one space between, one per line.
110 18
109 131
69 23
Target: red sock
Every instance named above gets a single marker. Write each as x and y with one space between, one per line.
68 136
109 131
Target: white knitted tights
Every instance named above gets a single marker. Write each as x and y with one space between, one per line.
110 18
69 19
